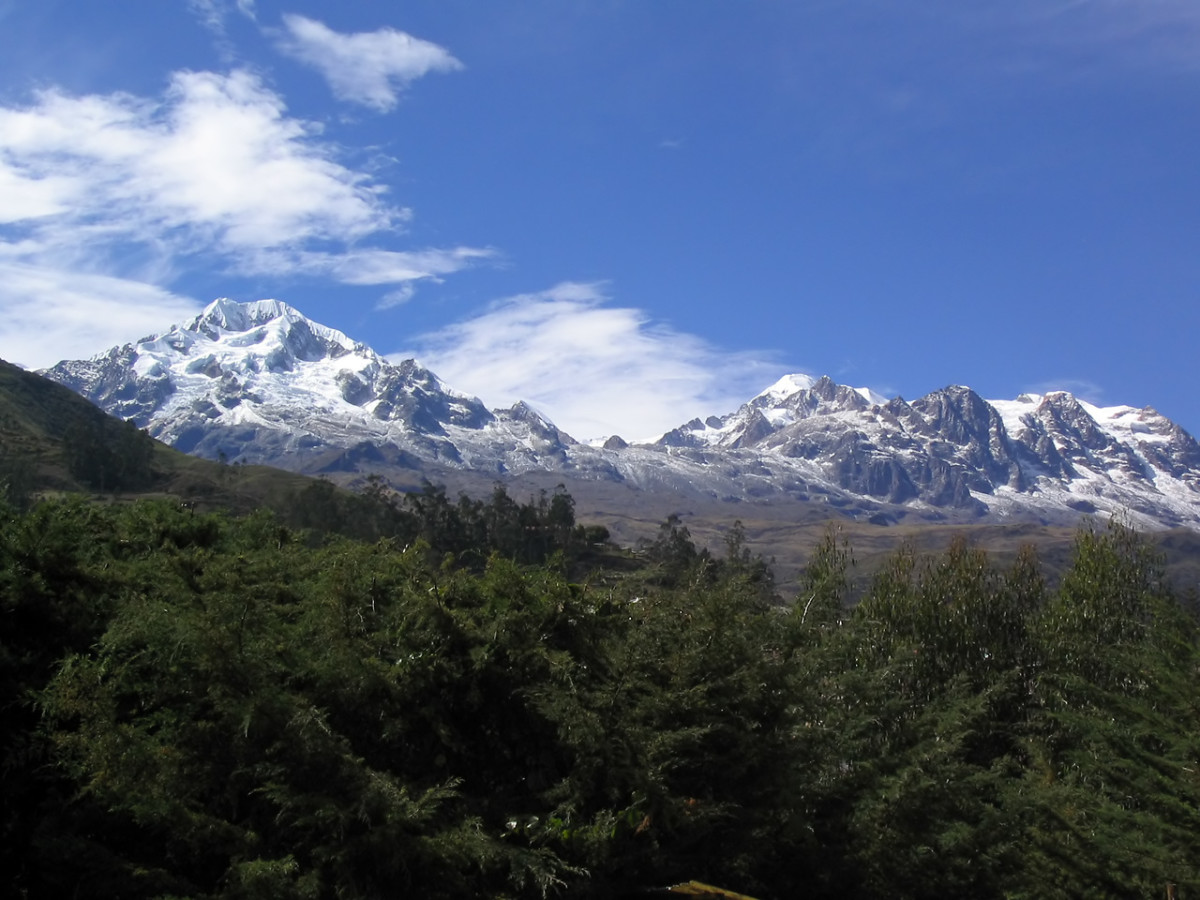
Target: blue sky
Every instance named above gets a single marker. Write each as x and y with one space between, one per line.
628 212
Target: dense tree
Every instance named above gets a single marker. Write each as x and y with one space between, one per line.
1117 805
200 706
108 454
16 478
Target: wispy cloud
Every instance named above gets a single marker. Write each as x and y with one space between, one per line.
214 173
1080 387
368 68
216 162
395 298
213 13
1147 32
1093 36
372 267
363 266
49 314
593 368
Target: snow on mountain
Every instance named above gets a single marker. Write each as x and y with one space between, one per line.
257 381
260 382
953 450
785 387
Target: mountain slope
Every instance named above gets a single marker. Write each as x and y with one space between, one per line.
954 450
51 440
259 382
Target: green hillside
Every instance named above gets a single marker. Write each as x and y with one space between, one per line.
53 441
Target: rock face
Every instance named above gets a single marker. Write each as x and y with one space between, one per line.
953 450
259 382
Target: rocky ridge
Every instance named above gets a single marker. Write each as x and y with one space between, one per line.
259 382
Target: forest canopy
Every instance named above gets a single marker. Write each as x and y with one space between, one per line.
479 705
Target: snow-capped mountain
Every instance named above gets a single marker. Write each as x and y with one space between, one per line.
953 450
259 382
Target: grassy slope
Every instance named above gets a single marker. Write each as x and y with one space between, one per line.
788 533
36 413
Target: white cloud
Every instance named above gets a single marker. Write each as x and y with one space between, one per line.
214 173
47 315
593 368
368 68
213 13
217 162
1080 387
370 267
364 266
395 298
31 198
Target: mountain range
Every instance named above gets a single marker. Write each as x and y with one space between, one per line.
260 383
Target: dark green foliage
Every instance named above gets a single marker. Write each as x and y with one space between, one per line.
199 706
1117 747
673 552
16 476
825 588
979 737
55 599
471 530
43 424
108 455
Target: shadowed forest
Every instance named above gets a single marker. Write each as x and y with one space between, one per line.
486 699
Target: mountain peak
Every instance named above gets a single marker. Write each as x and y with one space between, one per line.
256 380
231 315
288 325
787 386
259 381
824 387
